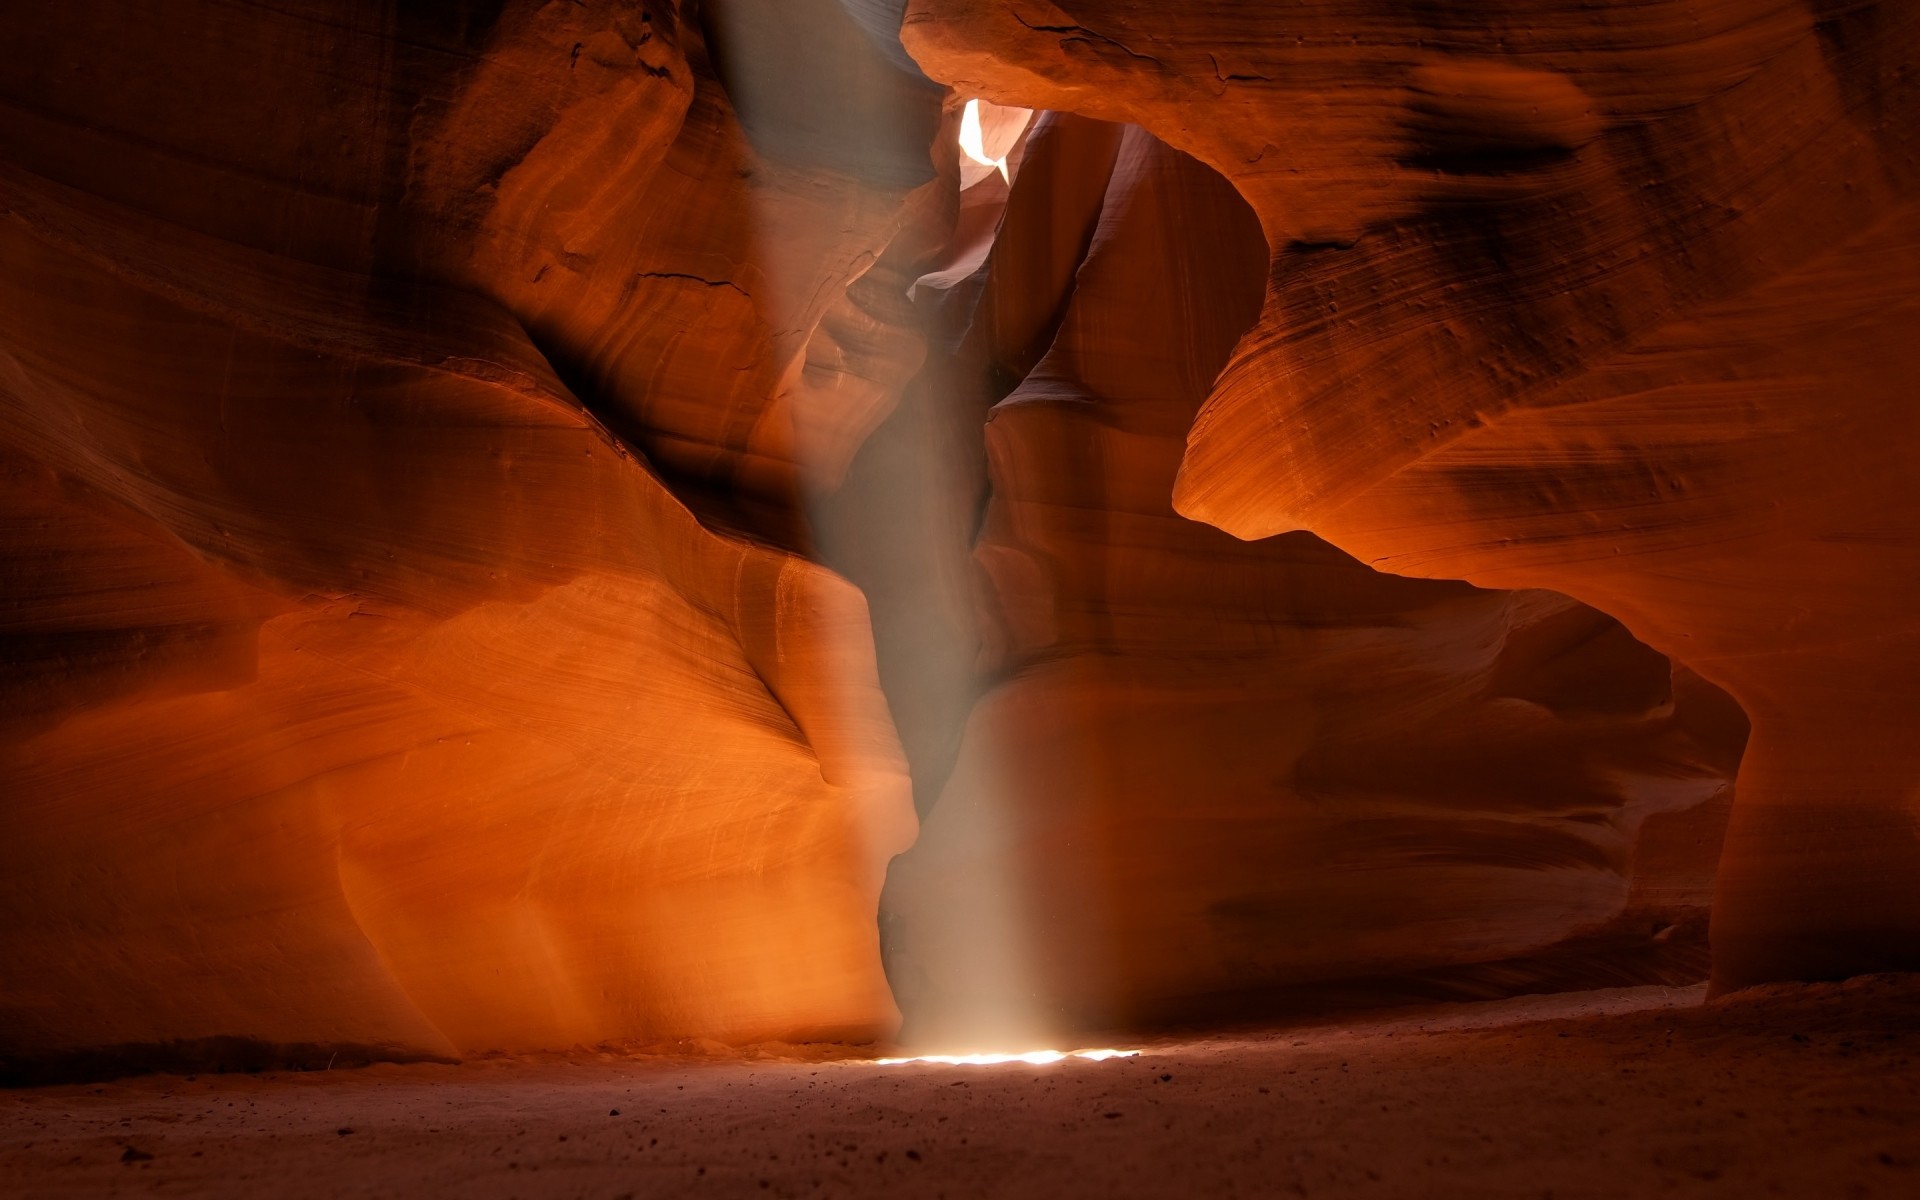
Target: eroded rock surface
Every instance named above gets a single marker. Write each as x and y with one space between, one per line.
458 462
1609 300
1219 775
364 687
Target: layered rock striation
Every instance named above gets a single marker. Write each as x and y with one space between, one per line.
1215 777
500 533
370 680
1610 301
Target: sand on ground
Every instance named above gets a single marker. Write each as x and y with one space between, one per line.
1806 1091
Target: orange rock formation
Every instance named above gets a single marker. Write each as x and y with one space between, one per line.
1609 300
363 686
499 532
1220 774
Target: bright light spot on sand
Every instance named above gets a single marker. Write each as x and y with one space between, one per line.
1038 1058
973 141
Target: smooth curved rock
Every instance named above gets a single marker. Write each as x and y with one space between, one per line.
372 692
1609 301
1215 777
429 435
702 289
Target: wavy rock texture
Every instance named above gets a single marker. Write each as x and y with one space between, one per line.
1611 300
364 689
1219 773
494 499
708 273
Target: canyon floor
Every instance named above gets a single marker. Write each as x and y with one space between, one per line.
1794 1091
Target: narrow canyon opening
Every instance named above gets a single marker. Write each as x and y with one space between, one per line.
1189 779
959 597
1167 777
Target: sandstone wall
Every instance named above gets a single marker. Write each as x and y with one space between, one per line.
1607 299
368 681
1227 778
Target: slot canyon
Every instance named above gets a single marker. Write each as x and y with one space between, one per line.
956 598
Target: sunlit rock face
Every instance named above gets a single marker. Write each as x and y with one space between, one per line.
510 504
363 687
1216 776
1612 300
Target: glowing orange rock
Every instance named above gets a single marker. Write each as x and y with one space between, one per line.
1562 296
1215 774
362 687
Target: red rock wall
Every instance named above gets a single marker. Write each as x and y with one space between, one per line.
364 688
1218 776
494 501
1612 300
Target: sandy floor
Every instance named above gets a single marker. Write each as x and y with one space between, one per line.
1800 1092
